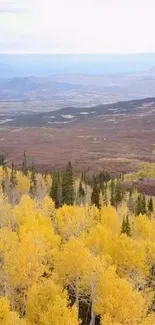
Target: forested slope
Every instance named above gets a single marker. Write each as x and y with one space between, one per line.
75 249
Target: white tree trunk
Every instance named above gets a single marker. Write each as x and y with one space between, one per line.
93 317
77 295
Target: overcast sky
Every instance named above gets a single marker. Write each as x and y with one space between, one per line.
77 26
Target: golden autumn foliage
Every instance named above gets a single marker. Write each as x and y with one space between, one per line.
73 264
47 304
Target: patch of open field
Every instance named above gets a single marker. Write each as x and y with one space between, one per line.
100 142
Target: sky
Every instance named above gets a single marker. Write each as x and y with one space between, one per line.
77 26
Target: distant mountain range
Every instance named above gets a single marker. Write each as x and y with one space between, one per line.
15 65
70 115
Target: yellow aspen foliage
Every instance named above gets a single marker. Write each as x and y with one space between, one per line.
27 260
48 182
72 221
72 261
91 280
23 184
124 254
107 320
92 213
8 243
8 317
48 304
40 227
25 210
6 214
122 210
117 299
149 320
99 240
144 228
4 311
109 219
58 265
41 187
47 207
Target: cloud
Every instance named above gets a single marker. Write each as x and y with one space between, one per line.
14 6
77 26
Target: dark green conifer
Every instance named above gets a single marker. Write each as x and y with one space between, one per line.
2 159
13 179
118 193
112 200
33 181
150 205
138 205
56 191
123 228
81 190
24 164
68 186
128 226
143 204
95 197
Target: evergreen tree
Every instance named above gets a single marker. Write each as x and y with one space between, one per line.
112 200
59 190
2 160
56 191
131 203
105 196
6 180
128 226
123 228
150 205
81 190
33 182
138 205
13 179
24 164
143 204
68 185
118 193
95 197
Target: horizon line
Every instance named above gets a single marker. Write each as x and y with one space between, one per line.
74 53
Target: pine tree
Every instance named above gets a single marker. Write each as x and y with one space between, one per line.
123 228
128 226
105 194
95 197
131 203
2 159
112 200
13 179
81 190
33 181
24 164
68 185
59 190
138 205
150 205
143 205
118 193
56 191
